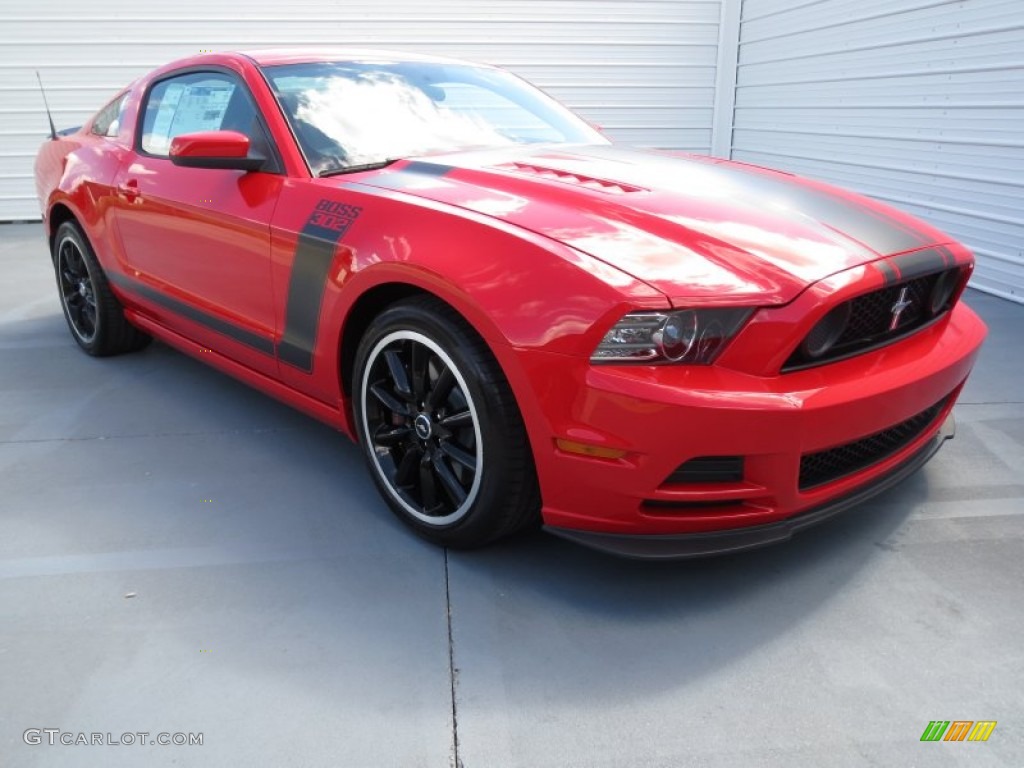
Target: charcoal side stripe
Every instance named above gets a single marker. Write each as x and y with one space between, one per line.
314 253
313 257
233 331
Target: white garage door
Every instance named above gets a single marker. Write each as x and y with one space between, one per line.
642 69
916 102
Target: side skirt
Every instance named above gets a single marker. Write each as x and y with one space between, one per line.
334 416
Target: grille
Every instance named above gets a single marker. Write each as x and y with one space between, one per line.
871 316
825 466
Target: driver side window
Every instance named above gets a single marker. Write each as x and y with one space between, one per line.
199 101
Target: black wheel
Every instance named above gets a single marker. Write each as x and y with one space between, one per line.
440 428
94 314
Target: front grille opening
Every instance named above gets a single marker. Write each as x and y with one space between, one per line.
877 318
708 469
832 464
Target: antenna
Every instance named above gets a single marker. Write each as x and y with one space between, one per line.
53 131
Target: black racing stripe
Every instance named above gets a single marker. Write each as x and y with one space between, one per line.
875 229
948 257
426 169
233 331
409 174
314 253
882 234
878 231
911 265
889 274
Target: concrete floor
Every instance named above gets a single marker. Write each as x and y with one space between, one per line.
282 612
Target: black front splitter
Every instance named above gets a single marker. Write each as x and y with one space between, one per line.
689 545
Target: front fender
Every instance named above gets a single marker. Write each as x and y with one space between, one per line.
517 289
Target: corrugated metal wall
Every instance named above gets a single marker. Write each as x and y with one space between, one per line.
642 69
916 102
919 103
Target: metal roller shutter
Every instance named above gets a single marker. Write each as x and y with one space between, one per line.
919 103
642 69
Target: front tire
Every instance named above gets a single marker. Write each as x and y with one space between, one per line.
95 317
440 428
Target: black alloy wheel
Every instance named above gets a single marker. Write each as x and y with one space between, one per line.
423 427
440 428
94 315
77 292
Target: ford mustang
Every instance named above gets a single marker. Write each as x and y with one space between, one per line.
651 353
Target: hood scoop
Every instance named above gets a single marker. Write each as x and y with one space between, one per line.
575 179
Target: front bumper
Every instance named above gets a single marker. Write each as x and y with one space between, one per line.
662 417
686 546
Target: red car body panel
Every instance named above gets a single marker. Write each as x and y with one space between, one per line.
541 251
700 230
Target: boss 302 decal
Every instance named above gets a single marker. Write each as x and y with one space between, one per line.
313 256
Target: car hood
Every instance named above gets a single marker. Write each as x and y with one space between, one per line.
698 229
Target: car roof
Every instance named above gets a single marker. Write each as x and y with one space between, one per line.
269 57
273 56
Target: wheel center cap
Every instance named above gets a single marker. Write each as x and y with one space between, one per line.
83 289
422 426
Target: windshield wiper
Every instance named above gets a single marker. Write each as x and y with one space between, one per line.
357 168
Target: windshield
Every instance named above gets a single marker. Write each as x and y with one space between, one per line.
349 115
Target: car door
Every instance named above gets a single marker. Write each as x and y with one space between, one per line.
196 241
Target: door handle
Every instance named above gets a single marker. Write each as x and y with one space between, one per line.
129 189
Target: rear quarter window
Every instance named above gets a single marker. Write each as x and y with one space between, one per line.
108 120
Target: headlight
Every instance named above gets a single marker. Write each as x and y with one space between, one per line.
694 336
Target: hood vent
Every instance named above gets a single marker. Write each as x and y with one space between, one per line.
576 179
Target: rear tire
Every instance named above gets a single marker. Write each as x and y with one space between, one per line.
94 315
440 428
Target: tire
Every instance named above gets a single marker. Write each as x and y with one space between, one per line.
440 428
94 315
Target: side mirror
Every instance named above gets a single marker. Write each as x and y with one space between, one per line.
214 149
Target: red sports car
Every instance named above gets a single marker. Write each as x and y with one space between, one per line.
655 354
